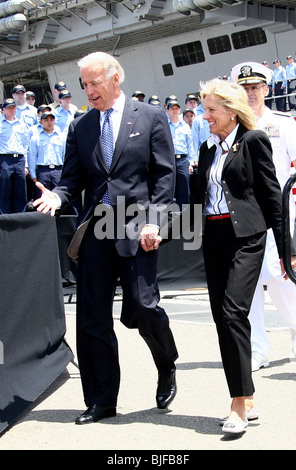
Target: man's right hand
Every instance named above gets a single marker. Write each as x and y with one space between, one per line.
47 201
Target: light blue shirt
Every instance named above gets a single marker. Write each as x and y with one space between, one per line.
182 139
28 114
279 75
45 149
63 118
199 110
200 131
13 137
291 70
38 128
35 128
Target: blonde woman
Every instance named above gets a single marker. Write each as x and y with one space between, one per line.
241 199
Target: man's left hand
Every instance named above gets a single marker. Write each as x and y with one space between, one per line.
150 238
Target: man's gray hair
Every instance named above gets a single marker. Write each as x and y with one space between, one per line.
111 65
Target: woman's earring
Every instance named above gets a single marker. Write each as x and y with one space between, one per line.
232 118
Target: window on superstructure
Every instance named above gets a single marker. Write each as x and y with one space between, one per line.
248 38
188 54
219 44
167 70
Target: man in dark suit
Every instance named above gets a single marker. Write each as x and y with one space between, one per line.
137 178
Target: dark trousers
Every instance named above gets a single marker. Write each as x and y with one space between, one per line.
279 102
49 177
268 102
232 268
290 88
13 189
182 193
99 267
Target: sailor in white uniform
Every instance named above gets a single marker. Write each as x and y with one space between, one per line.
281 129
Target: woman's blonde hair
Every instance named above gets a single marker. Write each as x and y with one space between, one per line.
233 97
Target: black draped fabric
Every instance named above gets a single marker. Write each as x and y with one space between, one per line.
33 352
179 268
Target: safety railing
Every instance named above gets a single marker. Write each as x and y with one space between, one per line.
286 228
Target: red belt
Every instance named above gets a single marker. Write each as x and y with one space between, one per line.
218 217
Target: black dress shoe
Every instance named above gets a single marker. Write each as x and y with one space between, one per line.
94 413
166 390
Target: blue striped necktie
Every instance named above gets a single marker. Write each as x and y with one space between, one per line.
107 144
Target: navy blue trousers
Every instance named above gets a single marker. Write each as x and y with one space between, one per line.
13 189
99 268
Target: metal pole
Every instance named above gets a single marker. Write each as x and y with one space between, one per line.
286 228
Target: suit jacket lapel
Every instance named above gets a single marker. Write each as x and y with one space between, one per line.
94 130
128 121
209 160
235 146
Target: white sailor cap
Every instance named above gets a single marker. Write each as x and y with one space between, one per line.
251 72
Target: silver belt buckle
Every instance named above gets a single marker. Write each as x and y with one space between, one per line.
51 166
15 155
